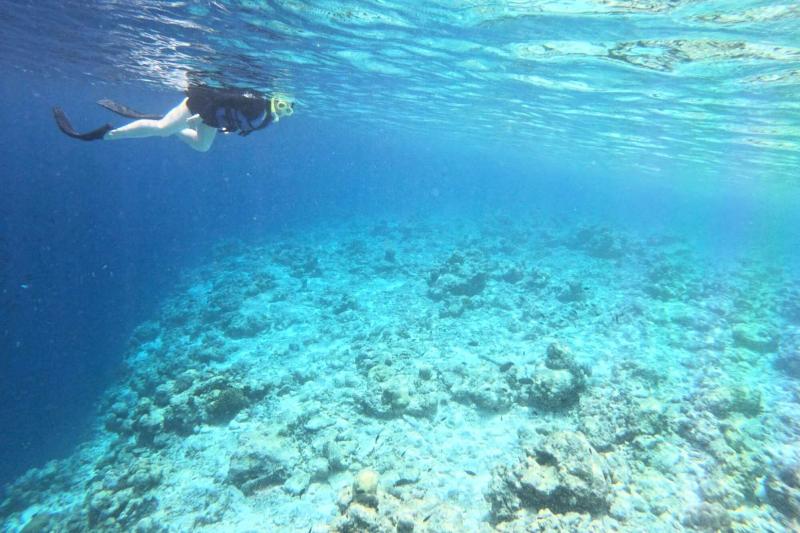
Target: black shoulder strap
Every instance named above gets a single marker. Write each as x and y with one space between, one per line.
264 123
231 122
64 125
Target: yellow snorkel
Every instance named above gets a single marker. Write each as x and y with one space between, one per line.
280 107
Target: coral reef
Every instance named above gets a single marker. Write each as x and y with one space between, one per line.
562 473
504 374
788 359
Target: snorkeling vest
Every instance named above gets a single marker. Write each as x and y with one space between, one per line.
229 110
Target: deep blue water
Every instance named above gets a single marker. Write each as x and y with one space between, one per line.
94 235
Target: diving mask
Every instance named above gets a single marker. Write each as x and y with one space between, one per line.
280 107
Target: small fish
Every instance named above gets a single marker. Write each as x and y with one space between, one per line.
470 472
24 286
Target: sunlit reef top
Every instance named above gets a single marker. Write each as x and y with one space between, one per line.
663 85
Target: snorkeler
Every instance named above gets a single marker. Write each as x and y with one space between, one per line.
195 120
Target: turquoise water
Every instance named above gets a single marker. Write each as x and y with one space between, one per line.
511 266
664 88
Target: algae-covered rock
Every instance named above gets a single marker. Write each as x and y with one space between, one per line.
148 423
225 404
788 360
554 389
461 277
359 505
261 461
425 371
487 391
755 337
560 357
573 291
366 508
512 275
338 454
39 523
724 400
389 395
708 517
782 484
358 518
614 416
537 279
365 487
598 242
45 522
790 307
182 415
557 383
117 511
297 483
122 495
667 281
452 285
563 473
227 293
238 325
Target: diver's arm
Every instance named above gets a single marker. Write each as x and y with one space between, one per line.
194 121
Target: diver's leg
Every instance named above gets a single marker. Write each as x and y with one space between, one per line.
200 139
169 124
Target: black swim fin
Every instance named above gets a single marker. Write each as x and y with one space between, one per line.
66 127
125 111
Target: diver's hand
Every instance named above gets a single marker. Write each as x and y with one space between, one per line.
194 121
